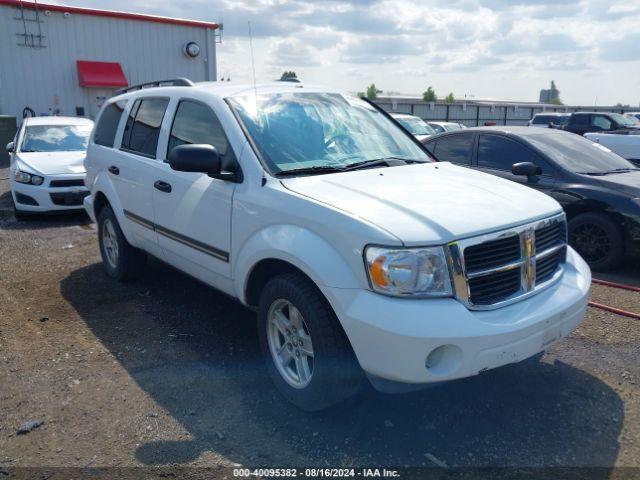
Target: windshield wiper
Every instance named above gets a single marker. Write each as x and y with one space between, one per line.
617 170
389 161
318 169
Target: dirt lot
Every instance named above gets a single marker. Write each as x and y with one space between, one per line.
166 372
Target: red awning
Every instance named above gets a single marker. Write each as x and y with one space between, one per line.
101 74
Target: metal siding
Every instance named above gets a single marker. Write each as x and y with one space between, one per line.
146 50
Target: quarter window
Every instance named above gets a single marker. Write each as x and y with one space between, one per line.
195 123
108 124
143 126
454 148
500 153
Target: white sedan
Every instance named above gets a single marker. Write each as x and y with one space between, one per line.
441 127
46 170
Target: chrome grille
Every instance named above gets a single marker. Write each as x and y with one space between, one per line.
500 268
492 254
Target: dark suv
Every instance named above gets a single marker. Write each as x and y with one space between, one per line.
599 191
586 122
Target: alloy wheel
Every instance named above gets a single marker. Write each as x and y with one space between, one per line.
290 343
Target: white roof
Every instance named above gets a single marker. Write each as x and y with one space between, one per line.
403 115
230 89
57 121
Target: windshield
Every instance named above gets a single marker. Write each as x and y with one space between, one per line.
55 138
577 154
622 120
321 130
416 126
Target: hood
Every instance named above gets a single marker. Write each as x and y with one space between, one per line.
627 183
422 138
54 163
428 203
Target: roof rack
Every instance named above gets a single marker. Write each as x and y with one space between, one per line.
172 82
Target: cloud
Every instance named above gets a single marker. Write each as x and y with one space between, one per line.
379 50
625 49
292 52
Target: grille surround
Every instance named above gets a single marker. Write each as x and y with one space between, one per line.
473 281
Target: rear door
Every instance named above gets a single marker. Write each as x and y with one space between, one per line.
132 170
496 155
193 210
579 123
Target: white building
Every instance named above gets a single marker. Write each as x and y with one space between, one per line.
66 60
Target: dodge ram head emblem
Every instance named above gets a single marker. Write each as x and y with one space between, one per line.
529 260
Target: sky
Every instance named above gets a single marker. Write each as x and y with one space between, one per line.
481 49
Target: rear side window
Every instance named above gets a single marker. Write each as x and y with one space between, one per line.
454 148
143 126
196 123
108 124
580 120
500 153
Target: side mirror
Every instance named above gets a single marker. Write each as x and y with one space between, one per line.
195 158
10 147
528 169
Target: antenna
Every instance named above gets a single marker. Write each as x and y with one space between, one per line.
253 65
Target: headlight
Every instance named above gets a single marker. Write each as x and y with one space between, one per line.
24 177
418 272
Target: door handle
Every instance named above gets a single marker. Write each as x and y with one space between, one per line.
162 186
115 170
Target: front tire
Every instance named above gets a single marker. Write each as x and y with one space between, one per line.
120 259
598 239
307 353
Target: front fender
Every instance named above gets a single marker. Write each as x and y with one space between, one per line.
304 249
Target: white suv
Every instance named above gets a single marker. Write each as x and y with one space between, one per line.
360 254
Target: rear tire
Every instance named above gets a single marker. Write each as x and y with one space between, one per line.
598 239
121 260
306 324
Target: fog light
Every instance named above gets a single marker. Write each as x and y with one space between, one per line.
444 360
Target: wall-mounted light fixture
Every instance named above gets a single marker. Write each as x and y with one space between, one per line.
192 49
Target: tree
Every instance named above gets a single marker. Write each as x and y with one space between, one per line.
449 98
429 95
556 101
372 92
289 76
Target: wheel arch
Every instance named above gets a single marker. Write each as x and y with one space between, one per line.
289 248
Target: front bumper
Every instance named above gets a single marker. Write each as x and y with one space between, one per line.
393 337
47 197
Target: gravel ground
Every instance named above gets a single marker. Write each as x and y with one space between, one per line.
166 371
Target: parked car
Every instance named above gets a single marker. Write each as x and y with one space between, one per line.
547 119
46 171
358 252
635 116
440 127
585 122
414 125
626 144
599 190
